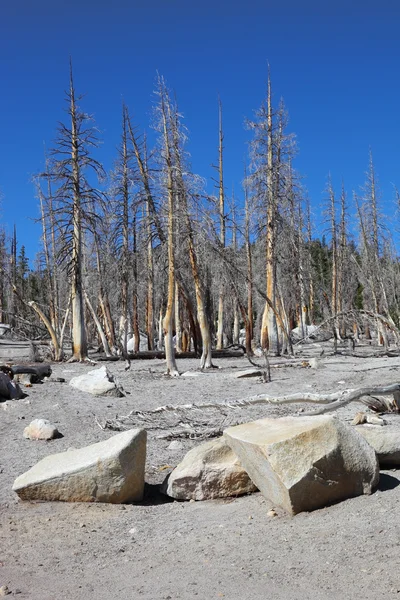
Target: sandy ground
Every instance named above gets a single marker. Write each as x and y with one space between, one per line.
182 550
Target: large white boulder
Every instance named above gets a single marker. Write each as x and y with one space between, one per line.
143 343
304 463
210 470
98 382
110 471
311 332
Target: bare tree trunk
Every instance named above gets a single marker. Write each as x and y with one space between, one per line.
269 332
160 329
150 285
135 307
13 260
49 327
172 368
100 330
220 330
249 323
50 277
103 300
194 324
178 326
79 342
342 259
206 357
334 299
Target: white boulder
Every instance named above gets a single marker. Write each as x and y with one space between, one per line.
143 343
304 463
98 382
110 471
210 470
41 429
311 332
384 440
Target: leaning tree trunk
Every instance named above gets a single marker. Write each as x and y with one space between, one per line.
100 330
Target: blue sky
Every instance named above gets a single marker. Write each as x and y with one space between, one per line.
336 65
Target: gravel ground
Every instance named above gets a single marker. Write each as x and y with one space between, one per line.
182 550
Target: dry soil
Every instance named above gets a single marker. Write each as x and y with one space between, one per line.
208 550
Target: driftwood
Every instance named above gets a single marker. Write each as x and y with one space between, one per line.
331 401
208 419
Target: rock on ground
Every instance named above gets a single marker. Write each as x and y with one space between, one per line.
109 471
248 373
384 440
304 463
98 382
9 389
210 470
41 429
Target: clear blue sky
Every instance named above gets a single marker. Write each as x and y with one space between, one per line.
336 64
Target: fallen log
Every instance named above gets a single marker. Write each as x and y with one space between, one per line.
151 354
37 371
331 401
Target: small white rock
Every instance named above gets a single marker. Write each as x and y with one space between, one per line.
175 445
41 429
191 374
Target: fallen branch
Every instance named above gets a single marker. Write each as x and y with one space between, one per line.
331 401
190 421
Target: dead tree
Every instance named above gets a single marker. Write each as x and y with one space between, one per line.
168 166
182 193
70 160
222 227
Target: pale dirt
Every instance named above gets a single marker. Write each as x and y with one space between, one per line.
208 550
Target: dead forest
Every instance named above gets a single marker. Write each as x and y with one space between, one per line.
144 259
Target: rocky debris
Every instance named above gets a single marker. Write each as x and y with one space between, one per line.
248 373
41 429
9 389
98 382
109 471
304 463
384 440
210 470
